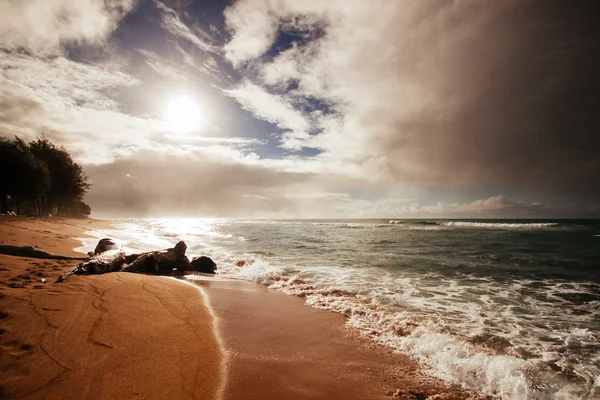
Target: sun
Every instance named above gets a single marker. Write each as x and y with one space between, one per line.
182 115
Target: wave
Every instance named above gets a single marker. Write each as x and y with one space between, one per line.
361 225
501 225
402 222
417 225
409 322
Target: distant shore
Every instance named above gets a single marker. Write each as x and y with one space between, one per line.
125 335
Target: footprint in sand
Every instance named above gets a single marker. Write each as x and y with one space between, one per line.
17 349
15 286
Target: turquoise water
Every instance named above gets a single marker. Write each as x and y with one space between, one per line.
507 308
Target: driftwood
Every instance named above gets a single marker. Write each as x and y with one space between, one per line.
108 261
108 257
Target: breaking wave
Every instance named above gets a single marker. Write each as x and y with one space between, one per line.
501 225
414 317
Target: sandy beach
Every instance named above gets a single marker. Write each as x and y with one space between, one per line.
122 336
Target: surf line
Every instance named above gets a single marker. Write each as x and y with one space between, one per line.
224 362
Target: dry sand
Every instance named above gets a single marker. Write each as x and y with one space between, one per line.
113 336
123 336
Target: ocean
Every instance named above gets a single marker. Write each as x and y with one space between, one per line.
508 308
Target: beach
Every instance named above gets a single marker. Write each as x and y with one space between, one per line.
123 335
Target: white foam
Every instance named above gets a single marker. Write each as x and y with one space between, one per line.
412 314
89 242
500 225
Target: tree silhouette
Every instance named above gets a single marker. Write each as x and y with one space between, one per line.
40 178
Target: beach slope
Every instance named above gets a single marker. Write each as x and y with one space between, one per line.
104 336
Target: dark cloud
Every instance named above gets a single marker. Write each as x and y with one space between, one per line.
152 183
460 94
526 84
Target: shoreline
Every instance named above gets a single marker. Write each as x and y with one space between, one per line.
224 360
271 345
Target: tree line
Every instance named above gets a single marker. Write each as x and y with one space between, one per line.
39 178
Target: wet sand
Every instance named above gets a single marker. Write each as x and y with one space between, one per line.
126 335
279 348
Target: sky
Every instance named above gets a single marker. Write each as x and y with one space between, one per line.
313 108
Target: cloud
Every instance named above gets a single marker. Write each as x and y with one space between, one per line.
43 26
463 94
201 182
205 183
67 100
63 83
401 99
254 27
493 207
74 105
165 69
273 108
172 24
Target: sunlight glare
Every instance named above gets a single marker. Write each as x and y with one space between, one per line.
182 115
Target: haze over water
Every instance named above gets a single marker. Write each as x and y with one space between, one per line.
508 308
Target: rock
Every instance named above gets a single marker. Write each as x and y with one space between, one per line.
203 264
105 245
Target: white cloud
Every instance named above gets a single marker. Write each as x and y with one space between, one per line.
44 26
73 104
172 24
254 27
60 83
166 69
273 108
203 46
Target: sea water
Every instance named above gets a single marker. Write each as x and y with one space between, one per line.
504 308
